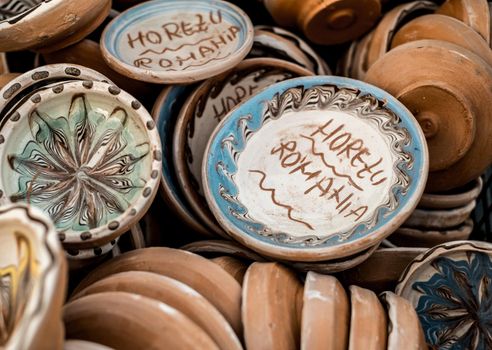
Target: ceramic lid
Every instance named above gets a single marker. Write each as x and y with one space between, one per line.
315 168
449 286
86 153
169 41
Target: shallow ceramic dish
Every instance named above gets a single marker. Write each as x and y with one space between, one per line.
440 219
83 345
165 113
325 314
404 329
368 321
129 321
271 307
207 278
278 174
449 287
411 237
175 294
223 247
86 153
33 275
177 41
452 199
34 24
203 111
318 64
235 267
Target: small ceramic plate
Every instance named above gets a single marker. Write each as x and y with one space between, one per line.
165 113
271 307
177 41
87 154
454 198
204 110
33 275
315 169
449 286
440 219
325 314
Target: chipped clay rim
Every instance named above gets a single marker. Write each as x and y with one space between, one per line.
224 205
107 232
110 39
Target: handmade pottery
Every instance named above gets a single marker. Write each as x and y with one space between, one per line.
203 111
7 78
175 294
32 280
359 65
177 42
326 22
413 237
449 108
235 267
86 153
452 199
130 321
440 27
288 156
440 219
317 63
381 270
271 307
474 13
223 247
325 314
4 68
85 258
449 287
49 24
404 329
165 112
383 34
207 278
368 321
83 345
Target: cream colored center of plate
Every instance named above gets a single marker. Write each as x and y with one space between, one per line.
315 173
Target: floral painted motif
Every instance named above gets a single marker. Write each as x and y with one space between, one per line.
82 169
455 308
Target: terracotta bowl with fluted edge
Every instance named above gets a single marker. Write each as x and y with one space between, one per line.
281 176
33 276
87 154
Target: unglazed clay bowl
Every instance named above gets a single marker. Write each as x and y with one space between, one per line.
48 23
285 173
223 247
177 41
165 112
234 267
440 219
449 287
203 111
87 154
452 199
32 280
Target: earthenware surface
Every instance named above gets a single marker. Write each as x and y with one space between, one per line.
452 199
449 286
165 113
89 253
440 219
4 68
288 156
203 111
177 41
235 267
87 154
222 247
83 345
32 277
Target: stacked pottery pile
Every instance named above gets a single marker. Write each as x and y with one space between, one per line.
447 99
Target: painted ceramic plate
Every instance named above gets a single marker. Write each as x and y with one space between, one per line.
166 41
87 154
449 286
315 168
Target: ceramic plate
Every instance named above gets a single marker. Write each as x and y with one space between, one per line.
454 198
165 112
449 286
315 168
222 247
440 219
169 41
87 154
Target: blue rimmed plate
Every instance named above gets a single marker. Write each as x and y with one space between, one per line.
166 41
315 168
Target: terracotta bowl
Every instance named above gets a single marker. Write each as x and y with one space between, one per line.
439 219
223 247
235 267
452 199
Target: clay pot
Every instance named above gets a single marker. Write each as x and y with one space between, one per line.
235 267
326 22
271 307
449 108
440 219
452 199
130 321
